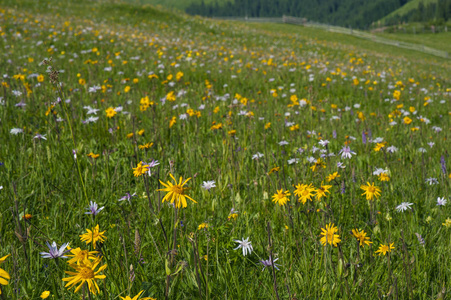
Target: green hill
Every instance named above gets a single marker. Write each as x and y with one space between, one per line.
406 8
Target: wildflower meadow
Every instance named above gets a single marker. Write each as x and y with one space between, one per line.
148 154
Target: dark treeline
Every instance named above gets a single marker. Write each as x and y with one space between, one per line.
354 13
348 13
434 13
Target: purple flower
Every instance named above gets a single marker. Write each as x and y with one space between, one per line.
334 134
346 152
40 136
267 263
363 137
152 164
127 197
54 252
93 209
443 163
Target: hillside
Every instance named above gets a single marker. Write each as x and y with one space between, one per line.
406 8
348 13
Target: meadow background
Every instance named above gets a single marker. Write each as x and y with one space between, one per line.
90 90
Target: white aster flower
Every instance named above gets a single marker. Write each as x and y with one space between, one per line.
404 206
246 245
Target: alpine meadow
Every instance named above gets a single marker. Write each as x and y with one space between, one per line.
150 154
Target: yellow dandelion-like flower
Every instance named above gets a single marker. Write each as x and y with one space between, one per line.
371 191
321 191
136 297
145 146
79 256
281 197
383 249
304 192
45 295
329 236
110 112
202 226
140 169
361 237
383 177
176 192
85 273
4 276
332 176
447 223
92 236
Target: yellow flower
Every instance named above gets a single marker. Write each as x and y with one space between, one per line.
85 272
78 255
318 163
232 216
268 125
407 120
92 155
371 191
176 192
170 96
178 76
127 89
379 146
332 176
130 135
81 81
140 169
275 169
110 112
232 132
321 191
172 122
383 177
329 236
145 146
304 192
447 223
361 237
281 197
141 132
40 78
4 276
136 297
45 294
383 249
92 236
202 226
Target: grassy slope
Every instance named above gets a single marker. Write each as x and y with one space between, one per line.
180 4
407 7
440 41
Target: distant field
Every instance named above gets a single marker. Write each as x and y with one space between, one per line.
440 41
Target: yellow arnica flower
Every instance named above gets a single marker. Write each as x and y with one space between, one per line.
136 297
202 226
329 236
383 177
332 176
92 236
85 272
304 192
140 169
176 192
45 294
4 276
321 191
79 256
281 197
447 224
145 146
110 112
371 191
361 237
383 249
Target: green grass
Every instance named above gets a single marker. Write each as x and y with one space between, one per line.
178 4
240 90
411 5
440 41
